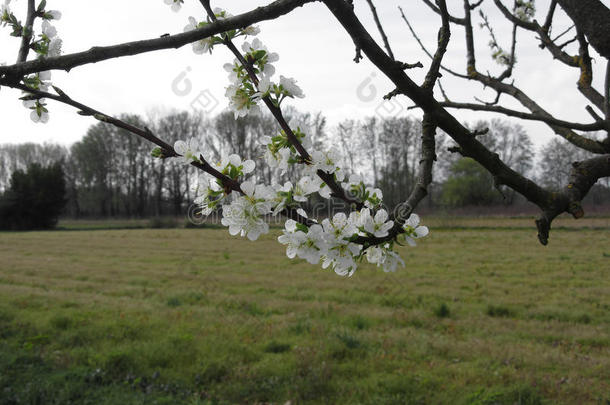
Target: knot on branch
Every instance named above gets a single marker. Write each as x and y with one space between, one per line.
391 94
575 208
405 66
456 149
358 56
478 132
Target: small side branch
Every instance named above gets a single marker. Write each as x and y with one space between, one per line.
384 37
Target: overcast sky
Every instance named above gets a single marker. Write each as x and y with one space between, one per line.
312 46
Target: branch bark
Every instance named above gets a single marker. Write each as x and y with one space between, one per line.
592 17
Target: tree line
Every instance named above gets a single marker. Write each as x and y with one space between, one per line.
111 173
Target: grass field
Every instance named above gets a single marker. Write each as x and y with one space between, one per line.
481 315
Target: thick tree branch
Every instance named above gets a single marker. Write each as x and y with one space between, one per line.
98 54
592 17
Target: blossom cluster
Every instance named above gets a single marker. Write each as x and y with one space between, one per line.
47 44
340 242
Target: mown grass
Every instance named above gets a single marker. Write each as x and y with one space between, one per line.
479 316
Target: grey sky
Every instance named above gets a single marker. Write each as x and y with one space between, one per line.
312 46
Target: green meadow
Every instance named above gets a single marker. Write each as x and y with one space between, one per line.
482 314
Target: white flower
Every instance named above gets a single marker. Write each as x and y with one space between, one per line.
384 257
265 85
391 261
314 246
239 101
176 4
188 150
39 113
45 80
303 188
338 229
324 191
326 161
342 258
245 167
374 255
309 246
204 193
221 14
378 226
290 86
245 214
231 68
52 15
48 30
281 196
291 237
251 30
55 47
278 160
203 45
39 116
256 45
413 230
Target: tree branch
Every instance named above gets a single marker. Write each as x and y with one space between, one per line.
28 30
596 126
98 54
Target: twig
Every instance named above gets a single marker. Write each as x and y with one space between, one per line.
380 28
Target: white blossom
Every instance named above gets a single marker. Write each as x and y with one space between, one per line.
239 101
48 30
251 30
379 226
245 214
176 4
278 160
52 15
326 161
310 246
203 45
290 86
247 166
338 229
55 47
292 237
342 258
303 188
413 230
188 150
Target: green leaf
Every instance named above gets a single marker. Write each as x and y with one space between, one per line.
156 153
